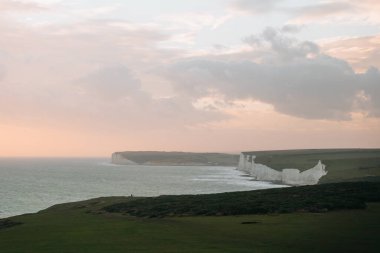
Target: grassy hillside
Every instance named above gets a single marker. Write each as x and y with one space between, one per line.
85 227
342 164
180 158
317 198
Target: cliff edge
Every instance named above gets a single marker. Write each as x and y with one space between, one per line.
119 159
290 176
174 158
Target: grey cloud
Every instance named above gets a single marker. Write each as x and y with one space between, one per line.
320 87
115 95
371 91
116 91
285 47
89 74
291 29
111 82
373 58
109 99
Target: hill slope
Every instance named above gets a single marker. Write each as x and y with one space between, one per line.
84 227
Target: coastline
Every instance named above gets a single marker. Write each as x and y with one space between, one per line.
45 182
282 220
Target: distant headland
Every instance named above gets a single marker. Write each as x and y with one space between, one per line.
174 158
291 167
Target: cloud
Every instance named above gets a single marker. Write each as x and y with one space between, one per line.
344 11
110 83
317 87
291 28
185 27
107 100
284 47
13 5
370 94
323 9
114 94
255 6
2 72
361 52
310 11
87 73
95 73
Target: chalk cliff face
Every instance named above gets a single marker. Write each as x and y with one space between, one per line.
286 176
118 158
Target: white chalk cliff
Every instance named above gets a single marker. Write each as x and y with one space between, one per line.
288 176
118 158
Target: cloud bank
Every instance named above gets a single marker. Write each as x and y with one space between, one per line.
294 77
126 81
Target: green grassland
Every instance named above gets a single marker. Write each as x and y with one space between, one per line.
87 226
316 198
329 217
342 164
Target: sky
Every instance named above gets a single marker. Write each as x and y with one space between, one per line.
90 77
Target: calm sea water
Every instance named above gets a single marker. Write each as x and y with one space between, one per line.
29 185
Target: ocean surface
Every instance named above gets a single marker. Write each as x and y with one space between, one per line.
29 184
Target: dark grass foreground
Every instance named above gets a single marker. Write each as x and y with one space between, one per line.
83 226
6 223
318 198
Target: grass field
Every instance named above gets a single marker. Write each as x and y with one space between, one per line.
316 198
342 164
84 227
342 217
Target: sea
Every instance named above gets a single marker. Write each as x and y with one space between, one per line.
28 185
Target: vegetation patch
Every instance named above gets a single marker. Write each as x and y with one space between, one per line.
250 222
317 198
71 227
7 223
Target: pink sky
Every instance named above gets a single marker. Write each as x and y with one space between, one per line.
88 79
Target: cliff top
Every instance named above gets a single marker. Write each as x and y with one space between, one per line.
180 158
341 164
